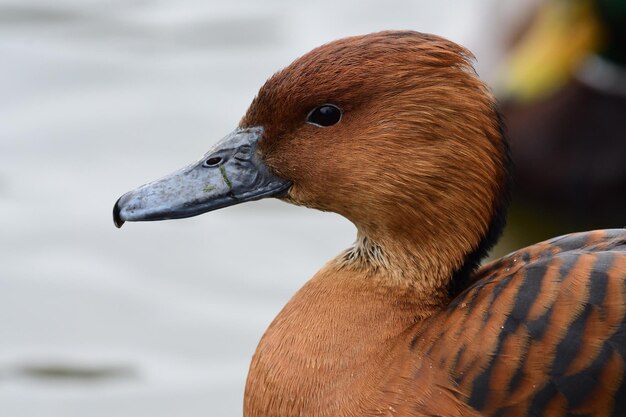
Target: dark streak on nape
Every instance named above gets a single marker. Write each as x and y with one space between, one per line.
462 278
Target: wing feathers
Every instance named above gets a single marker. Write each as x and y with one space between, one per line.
541 332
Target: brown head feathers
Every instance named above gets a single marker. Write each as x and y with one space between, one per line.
417 161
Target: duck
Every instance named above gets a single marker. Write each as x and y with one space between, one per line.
396 132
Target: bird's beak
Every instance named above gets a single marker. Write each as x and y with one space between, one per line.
231 173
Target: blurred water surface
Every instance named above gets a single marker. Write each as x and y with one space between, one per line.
97 97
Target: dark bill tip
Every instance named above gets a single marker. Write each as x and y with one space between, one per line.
117 219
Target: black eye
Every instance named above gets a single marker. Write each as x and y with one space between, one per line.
324 115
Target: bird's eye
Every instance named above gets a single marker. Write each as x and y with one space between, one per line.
324 115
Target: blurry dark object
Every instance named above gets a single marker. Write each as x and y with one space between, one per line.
612 13
564 101
570 154
81 372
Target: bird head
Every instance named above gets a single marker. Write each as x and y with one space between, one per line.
392 130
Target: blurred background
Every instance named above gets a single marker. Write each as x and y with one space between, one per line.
98 97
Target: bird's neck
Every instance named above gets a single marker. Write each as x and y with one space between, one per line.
424 264
332 340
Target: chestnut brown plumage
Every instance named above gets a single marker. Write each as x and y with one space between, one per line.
402 324
419 165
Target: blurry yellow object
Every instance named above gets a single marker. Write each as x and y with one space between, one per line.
562 34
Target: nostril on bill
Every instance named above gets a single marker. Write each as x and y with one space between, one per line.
213 161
